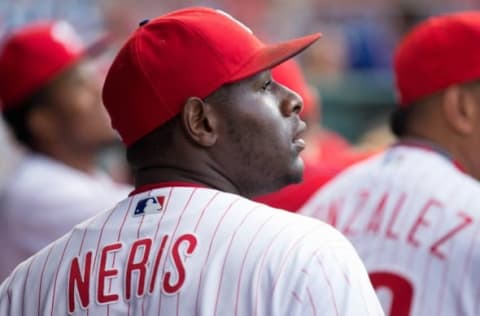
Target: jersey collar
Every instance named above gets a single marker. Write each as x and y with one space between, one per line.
151 186
429 146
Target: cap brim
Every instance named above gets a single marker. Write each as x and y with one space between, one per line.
272 55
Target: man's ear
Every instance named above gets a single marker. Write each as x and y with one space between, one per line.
200 121
460 109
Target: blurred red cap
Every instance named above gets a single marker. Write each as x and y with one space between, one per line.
290 75
438 53
186 53
33 56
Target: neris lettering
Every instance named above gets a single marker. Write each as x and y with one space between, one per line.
82 273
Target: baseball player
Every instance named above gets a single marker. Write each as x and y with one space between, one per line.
413 211
192 97
52 104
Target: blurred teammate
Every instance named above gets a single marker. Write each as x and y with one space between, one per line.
52 103
413 211
192 97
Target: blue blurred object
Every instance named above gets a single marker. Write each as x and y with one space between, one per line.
369 45
84 15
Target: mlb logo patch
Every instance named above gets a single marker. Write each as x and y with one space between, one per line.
150 205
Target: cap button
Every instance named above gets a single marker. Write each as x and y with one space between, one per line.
142 23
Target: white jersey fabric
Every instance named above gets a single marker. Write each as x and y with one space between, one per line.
413 217
9 153
183 250
44 199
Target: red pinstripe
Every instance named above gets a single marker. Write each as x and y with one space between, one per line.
115 254
226 255
41 278
443 288
332 296
9 289
58 270
345 276
287 254
140 225
203 211
178 305
347 280
81 243
195 230
183 212
477 307
100 236
209 250
468 261
312 302
25 285
171 240
262 262
81 246
163 213
124 220
429 261
318 259
158 227
295 296
245 258
143 217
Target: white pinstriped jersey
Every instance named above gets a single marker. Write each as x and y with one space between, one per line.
193 251
413 217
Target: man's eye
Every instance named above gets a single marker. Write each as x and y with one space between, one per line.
266 85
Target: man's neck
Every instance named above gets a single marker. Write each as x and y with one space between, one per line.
170 174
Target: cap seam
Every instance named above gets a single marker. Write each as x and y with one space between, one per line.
145 73
217 53
231 74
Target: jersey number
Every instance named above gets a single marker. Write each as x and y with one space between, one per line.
400 288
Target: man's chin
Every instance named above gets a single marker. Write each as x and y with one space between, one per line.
296 174
288 176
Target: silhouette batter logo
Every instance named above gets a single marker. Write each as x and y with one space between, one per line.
150 205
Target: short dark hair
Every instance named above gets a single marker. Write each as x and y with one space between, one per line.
401 117
473 87
398 121
17 116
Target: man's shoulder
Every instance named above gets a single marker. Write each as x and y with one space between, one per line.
410 165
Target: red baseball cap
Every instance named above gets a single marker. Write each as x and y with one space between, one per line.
438 53
186 53
290 75
32 56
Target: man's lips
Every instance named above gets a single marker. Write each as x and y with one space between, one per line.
298 141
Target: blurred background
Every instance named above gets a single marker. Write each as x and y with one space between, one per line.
350 67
